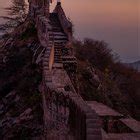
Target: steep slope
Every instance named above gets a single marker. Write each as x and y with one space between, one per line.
102 78
20 100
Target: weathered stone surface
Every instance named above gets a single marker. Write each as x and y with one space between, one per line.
131 123
62 109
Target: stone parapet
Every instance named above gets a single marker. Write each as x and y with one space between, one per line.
65 23
80 119
65 112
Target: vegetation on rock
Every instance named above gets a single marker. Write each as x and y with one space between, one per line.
103 78
20 77
16 15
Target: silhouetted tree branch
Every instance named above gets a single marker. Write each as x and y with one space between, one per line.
16 14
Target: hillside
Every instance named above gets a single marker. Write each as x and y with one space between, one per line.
135 65
103 78
99 78
21 114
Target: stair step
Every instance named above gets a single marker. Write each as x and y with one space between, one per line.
60 62
47 72
58 50
60 41
57 33
47 52
60 37
46 56
57 59
48 80
46 68
45 63
57 56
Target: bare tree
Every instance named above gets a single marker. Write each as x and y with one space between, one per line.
16 14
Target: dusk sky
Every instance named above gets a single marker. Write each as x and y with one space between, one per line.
117 22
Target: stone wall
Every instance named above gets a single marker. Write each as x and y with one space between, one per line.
64 109
68 111
65 23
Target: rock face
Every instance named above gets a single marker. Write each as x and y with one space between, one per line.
21 114
13 121
25 116
36 62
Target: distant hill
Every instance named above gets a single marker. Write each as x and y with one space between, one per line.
135 65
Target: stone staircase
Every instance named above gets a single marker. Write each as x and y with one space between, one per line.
66 115
58 38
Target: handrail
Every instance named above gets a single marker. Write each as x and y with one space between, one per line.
82 121
65 23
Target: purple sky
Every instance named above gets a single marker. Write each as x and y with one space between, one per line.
115 21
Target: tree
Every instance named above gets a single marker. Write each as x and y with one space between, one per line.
16 14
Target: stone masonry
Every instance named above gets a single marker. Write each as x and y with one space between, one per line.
66 115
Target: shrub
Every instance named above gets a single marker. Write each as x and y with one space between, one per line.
96 52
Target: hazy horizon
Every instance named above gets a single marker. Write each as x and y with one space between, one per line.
115 22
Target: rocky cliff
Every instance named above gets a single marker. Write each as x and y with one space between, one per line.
21 114
99 77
